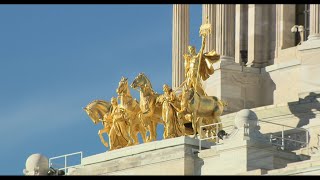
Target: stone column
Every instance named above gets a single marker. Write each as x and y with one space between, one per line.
314 22
225 31
241 32
180 42
285 19
261 35
209 10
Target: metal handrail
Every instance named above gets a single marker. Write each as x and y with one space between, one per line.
289 139
283 139
282 134
216 134
65 160
283 125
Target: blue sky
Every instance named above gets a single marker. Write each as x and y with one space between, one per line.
55 59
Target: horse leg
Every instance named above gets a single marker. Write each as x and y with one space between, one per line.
131 135
146 127
194 124
153 132
127 133
143 132
201 132
165 126
100 132
134 133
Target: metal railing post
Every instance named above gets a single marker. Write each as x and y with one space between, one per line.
81 158
65 168
282 136
211 136
217 129
65 164
284 139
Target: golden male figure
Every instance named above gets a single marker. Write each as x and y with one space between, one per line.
195 104
198 66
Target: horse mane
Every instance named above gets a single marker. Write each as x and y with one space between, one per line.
127 91
104 103
98 101
149 84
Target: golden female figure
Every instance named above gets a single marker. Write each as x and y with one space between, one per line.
173 126
119 135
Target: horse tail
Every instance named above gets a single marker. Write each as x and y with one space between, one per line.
220 106
223 103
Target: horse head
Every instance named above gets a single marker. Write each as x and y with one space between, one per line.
123 86
138 81
187 93
92 114
97 109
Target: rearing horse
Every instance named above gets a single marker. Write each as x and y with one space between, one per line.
100 111
96 111
150 114
132 107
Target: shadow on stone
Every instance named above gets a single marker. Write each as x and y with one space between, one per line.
304 108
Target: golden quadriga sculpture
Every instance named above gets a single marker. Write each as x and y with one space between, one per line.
122 122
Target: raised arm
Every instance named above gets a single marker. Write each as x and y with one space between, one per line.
203 44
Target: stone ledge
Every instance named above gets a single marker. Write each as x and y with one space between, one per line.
146 147
297 168
308 45
283 65
255 172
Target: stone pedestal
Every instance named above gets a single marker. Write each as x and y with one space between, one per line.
166 157
241 87
243 151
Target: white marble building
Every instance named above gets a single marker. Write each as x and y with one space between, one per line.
262 61
270 64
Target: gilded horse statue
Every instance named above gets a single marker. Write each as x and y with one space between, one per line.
96 111
150 114
196 107
114 122
132 108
